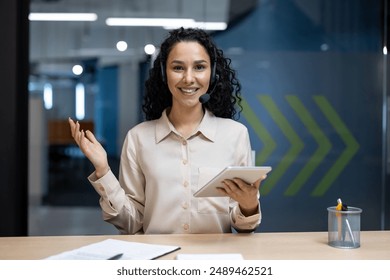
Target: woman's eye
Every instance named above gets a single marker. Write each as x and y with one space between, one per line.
200 67
177 68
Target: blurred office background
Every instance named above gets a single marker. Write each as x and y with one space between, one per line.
315 96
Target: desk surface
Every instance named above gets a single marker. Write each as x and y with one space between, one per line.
267 246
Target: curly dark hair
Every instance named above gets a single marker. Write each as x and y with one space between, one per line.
226 94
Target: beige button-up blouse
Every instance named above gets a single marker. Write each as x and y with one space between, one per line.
160 170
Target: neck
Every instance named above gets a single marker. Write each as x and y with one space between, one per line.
186 121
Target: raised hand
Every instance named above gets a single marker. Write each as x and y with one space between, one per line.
90 147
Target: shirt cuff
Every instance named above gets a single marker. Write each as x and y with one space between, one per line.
104 186
243 223
111 195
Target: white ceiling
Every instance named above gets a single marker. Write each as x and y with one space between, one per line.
56 46
69 41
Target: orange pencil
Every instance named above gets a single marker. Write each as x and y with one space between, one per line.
339 207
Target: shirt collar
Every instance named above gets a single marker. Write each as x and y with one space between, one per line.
207 127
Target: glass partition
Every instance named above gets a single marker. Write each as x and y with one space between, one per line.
314 87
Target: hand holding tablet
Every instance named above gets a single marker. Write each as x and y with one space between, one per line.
249 174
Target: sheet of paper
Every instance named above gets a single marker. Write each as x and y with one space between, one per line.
110 248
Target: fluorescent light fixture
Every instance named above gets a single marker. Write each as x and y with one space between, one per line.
48 96
212 25
166 23
62 17
149 21
80 101
202 25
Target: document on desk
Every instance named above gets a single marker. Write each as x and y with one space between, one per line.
111 249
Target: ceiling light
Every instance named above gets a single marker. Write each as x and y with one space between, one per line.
121 46
149 49
80 101
212 25
202 25
149 22
48 96
77 69
62 17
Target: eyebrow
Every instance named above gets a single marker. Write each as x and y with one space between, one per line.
195 62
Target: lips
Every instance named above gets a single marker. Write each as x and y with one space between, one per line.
189 91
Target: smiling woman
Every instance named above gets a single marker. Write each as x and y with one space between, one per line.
163 158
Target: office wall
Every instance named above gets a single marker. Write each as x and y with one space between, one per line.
313 77
106 108
13 117
312 74
313 88
129 99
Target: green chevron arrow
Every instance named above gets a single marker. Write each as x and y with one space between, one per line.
352 146
296 143
260 131
323 149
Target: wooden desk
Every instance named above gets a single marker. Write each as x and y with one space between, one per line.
267 246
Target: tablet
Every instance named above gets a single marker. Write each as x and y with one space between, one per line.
249 174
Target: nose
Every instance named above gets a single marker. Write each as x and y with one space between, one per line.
188 76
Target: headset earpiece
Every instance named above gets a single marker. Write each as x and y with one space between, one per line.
163 74
214 77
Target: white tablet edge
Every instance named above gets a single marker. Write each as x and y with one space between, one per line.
210 188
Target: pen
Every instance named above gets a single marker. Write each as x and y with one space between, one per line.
350 232
116 257
348 226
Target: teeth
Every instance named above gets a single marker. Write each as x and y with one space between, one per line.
188 90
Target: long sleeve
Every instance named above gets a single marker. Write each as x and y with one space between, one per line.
117 207
160 171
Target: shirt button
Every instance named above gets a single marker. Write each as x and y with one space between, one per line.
185 184
184 205
184 142
186 227
185 161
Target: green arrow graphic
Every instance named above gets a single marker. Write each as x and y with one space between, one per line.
323 149
352 146
293 138
261 132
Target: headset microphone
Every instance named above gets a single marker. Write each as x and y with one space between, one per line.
206 97
214 78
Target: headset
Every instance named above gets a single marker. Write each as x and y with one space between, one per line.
213 77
